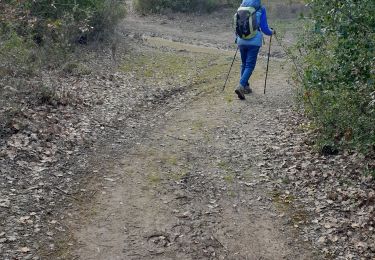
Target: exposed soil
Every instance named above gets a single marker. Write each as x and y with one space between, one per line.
192 189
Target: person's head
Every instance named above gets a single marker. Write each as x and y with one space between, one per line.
255 3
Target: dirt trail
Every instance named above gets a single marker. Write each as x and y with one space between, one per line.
193 187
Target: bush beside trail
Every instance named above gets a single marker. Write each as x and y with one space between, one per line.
338 82
145 6
30 30
39 36
277 9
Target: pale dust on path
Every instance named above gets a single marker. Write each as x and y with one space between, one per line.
193 189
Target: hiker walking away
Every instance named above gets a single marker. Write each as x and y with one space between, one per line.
251 23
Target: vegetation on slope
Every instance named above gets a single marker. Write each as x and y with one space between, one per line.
338 81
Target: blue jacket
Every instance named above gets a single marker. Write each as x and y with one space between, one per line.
262 19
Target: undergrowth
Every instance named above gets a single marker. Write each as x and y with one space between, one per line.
277 8
337 50
41 36
145 6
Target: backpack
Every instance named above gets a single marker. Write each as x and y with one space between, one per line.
246 22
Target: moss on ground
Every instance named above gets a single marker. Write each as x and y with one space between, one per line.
154 178
286 203
229 178
177 175
167 62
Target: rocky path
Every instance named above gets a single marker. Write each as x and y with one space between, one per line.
205 175
193 187
193 190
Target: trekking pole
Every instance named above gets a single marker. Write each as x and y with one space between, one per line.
234 58
268 62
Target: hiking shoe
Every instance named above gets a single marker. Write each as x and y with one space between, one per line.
247 90
240 91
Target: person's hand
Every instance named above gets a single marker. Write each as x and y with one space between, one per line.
235 41
273 31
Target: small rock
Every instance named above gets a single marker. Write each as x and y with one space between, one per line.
24 249
362 245
4 203
12 238
186 214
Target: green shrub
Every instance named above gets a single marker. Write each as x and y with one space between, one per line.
338 81
278 8
107 16
58 24
146 6
74 19
43 34
16 53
